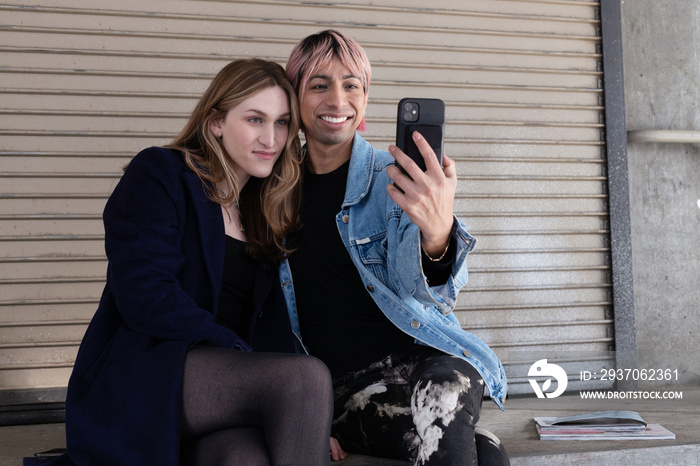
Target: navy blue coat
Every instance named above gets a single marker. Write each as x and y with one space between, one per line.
165 244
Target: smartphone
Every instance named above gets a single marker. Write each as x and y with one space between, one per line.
427 116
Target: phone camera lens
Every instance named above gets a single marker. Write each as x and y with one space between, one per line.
410 111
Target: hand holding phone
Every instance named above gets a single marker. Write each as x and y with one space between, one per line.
428 200
427 116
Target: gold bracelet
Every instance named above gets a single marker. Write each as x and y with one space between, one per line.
442 256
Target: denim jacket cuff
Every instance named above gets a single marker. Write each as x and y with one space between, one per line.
445 296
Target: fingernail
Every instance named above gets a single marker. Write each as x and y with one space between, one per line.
417 136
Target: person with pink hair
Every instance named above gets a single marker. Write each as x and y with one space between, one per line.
375 274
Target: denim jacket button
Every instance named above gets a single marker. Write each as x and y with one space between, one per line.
415 324
370 288
346 218
466 353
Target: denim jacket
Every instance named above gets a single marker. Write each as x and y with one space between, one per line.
385 247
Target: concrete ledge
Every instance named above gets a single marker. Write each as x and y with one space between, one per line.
514 427
674 455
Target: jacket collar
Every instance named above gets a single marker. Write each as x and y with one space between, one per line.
359 172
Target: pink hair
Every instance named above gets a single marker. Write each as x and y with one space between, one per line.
317 51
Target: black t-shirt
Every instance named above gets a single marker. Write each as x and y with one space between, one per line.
340 322
236 300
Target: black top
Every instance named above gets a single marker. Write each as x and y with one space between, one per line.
236 300
340 322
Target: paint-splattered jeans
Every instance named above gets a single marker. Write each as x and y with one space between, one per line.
420 405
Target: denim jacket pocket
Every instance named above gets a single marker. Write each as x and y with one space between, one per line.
373 255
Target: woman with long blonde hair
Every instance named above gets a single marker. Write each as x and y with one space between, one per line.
186 359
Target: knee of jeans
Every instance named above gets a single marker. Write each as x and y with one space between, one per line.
448 396
455 371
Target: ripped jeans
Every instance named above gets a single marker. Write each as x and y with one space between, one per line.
420 405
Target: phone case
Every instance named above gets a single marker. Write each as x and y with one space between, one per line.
427 116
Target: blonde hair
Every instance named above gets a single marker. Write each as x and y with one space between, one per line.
270 206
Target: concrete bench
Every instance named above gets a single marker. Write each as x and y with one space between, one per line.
514 427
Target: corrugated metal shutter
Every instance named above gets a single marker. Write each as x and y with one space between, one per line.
85 85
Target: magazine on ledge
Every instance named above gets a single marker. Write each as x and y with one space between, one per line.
600 425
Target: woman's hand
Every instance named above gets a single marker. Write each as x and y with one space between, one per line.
337 453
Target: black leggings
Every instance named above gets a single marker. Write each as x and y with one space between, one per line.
421 405
255 409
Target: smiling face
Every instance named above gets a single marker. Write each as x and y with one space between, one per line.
254 133
333 104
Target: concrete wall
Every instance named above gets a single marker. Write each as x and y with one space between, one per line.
661 50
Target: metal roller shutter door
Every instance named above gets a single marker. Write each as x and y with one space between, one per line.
85 85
